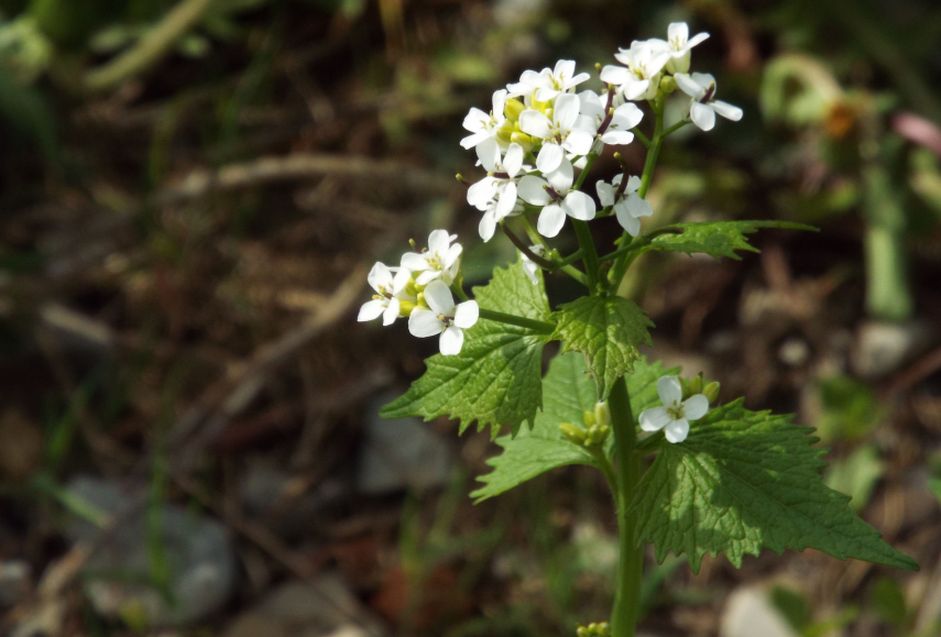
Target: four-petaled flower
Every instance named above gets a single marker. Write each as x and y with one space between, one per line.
701 87
441 260
679 45
564 132
389 284
483 126
555 195
628 206
623 118
443 317
548 83
675 414
644 62
495 194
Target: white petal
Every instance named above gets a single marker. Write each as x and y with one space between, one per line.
426 277
635 89
546 93
414 262
481 193
498 102
696 39
400 280
678 32
562 177
695 407
451 255
451 341
627 115
617 137
676 431
439 241
638 207
654 419
371 309
506 201
629 222
549 158
633 183
565 110
702 115
613 74
551 220
513 160
379 277
703 79
578 79
473 140
439 299
686 84
579 205
534 123
726 110
605 193
487 226
564 68
669 390
488 152
590 104
533 190
578 142
391 313
424 323
466 314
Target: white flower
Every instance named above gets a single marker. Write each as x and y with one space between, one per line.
495 194
628 205
389 284
530 267
547 83
625 117
679 45
565 132
703 107
674 416
644 61
483 125
558 200
443 317
441 260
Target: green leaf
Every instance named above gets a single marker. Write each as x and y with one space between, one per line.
569 391
717 238
607 330
496 379
744 480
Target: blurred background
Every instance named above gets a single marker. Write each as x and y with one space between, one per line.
191 192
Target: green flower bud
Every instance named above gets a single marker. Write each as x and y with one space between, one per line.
512 109
711 391
692 386
602 414
667 85
573 433
588 417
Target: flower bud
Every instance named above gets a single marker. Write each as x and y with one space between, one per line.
711 391
692 386
597 434
573 433
667 85
588 417
602 414
512 109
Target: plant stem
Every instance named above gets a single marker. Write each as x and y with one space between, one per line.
545 264
624 615
586 243
520 321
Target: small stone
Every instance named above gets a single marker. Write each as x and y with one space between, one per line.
401 454
750 613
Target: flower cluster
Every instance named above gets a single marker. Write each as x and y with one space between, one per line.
420 288
542 128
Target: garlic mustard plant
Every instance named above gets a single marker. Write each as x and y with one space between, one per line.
690 475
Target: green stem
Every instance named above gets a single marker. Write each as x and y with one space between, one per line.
520 321
631 557
586 243
537 238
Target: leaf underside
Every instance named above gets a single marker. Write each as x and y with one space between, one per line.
496 379
745 480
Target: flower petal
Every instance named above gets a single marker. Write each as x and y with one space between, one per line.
532 190
475 120
379 277
424 323
466 314
549 158
629 222
676 431
654 419
726 110
669 390
391 312
627 115
480 193
637 206
439 241
696 39
451 341
614 74
414 262
550 221
617 137
702 115
513 160
371 309
488 152
562 177
579 205
578 142
487 226
605 193
678 32
686 84
565 110
506 201
439 299
534 123
695 407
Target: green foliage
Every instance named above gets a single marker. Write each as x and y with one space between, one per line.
849 409
496 379
608 331
745 480
569 391
856 475
717 238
